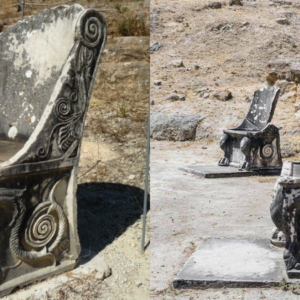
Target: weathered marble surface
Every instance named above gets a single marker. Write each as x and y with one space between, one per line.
48 64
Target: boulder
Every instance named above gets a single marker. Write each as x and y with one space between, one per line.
174 127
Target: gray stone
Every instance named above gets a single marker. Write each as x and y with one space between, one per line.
47 70
155 46
157 82
221 263
255 144
283 21
174 127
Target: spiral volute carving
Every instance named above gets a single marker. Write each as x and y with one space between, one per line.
41 228
267 151
63 108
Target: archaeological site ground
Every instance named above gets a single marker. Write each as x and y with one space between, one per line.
207 60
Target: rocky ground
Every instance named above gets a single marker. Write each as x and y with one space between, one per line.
112 167
207 59
207 54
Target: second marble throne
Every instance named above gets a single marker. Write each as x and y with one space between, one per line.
254 145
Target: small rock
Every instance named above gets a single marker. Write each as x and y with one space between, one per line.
130 177
283 21
173 97
224 95
157 82
177 63
213 5
205 95
152 102
196 67
235 2
155 46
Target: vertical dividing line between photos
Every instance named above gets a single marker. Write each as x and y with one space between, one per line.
146 179
23 9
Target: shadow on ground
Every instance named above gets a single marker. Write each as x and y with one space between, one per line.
105 210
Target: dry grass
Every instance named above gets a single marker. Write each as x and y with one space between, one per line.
131 26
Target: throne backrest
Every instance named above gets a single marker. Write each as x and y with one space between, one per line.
262 108
32 56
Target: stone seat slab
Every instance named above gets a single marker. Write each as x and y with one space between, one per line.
214 171
218 263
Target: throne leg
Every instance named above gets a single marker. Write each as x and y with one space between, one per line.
245 147
224 144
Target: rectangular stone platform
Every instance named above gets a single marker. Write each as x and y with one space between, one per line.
220 263
211 171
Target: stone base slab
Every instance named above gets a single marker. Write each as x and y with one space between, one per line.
220 263
211 171
7 287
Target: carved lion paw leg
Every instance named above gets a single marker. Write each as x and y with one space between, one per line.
224 143
245 166
278 238
224 161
